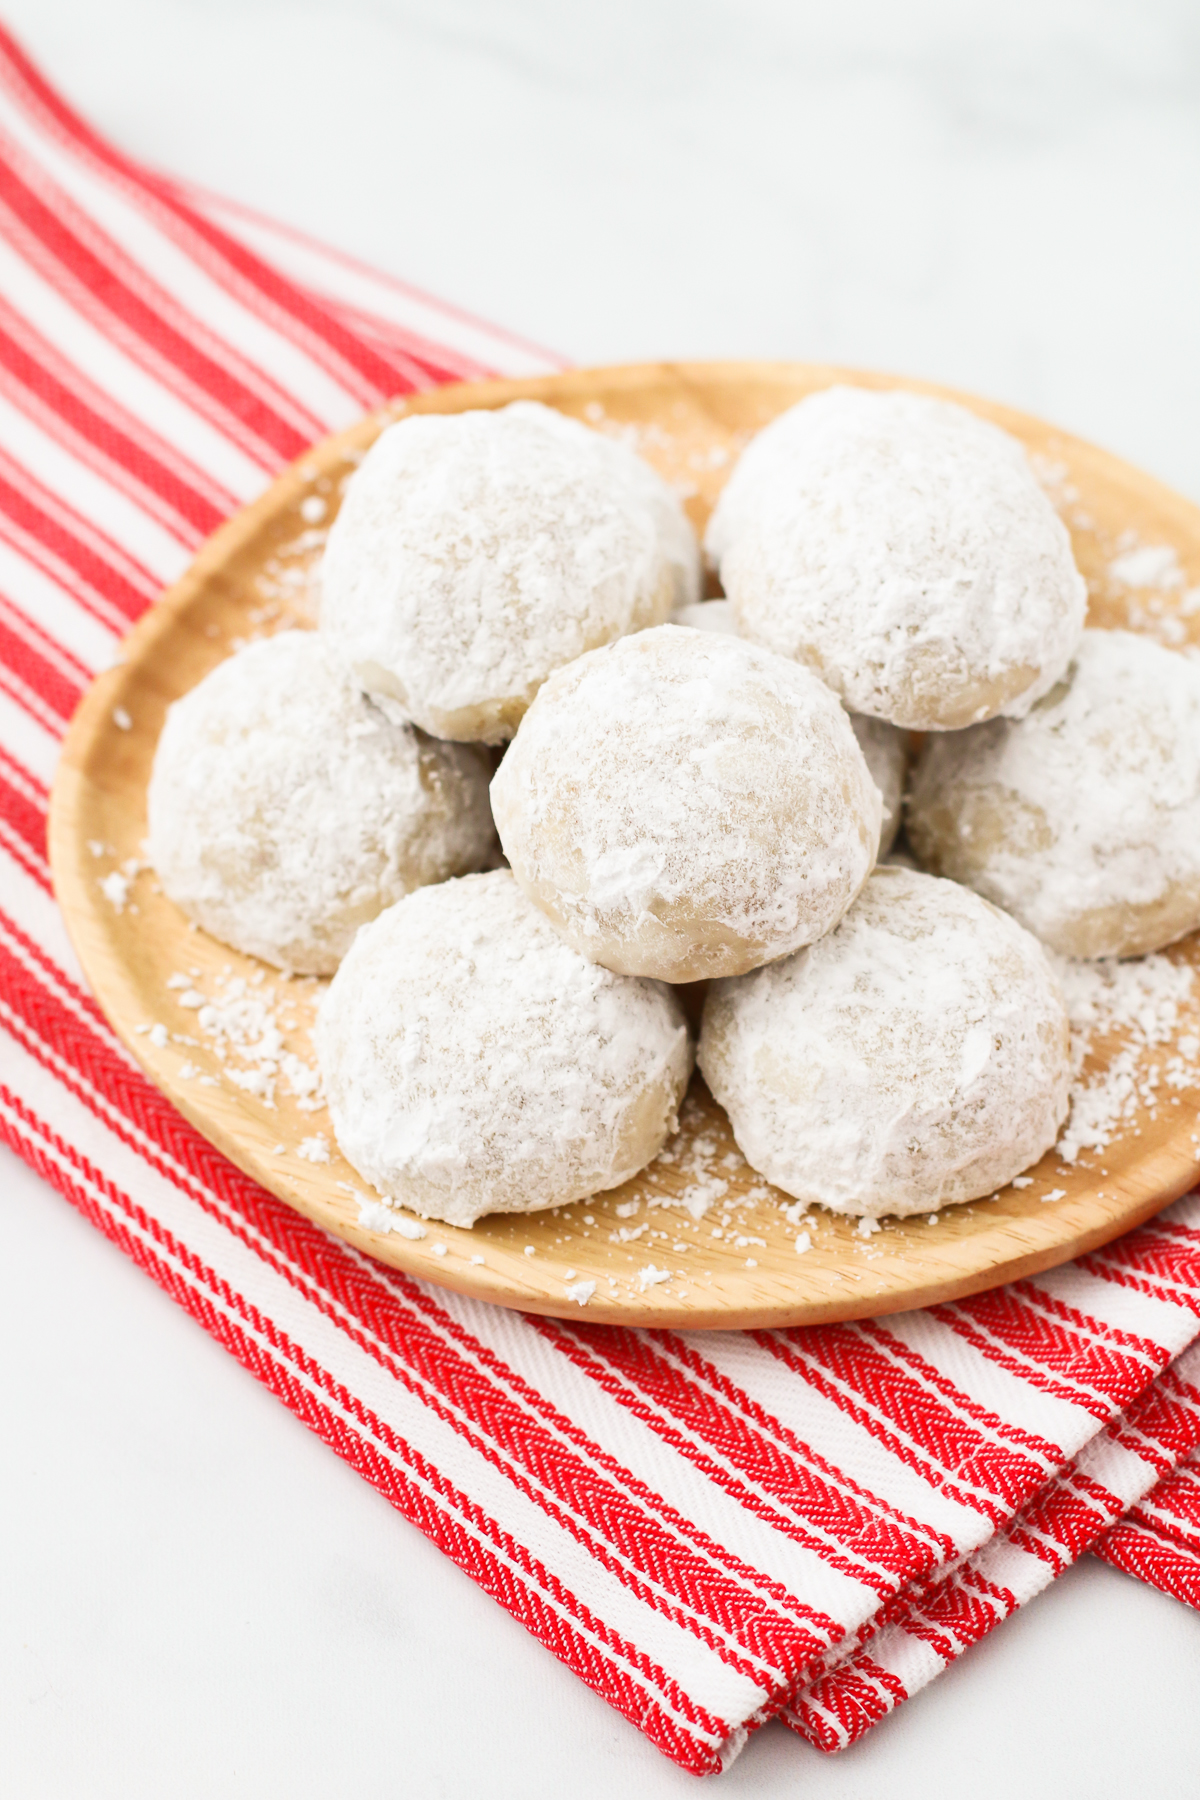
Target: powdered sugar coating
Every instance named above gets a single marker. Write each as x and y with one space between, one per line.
884 746
683 804
475 1063
476 552
1082 820
285 810
903 549
918 1055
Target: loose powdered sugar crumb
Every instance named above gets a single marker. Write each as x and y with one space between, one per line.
1143 1002
115 888
244 1019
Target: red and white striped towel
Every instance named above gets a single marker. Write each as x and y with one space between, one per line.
708 1529
1159 1541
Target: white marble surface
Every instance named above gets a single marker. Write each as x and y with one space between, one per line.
196 1597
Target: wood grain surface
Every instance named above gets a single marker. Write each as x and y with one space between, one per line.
736 1266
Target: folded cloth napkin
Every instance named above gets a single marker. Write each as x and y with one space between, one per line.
1159 1541
709 1529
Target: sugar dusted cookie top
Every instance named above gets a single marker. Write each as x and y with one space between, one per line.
1083 819
475 1063
917 1055
285 810
903 549
684 804
477 552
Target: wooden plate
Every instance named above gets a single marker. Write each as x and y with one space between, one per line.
737 1265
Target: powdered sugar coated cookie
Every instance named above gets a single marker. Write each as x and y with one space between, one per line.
1083 819
476 552
285 810
902 548
475 1063
916 1056
683 804
884 746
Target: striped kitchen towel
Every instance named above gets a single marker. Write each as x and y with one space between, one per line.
709 1529
1159 1541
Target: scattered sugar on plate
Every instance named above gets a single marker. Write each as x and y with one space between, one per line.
1144 1001
650 1277
115 888
242 1018
581 1292
121 719
314 1149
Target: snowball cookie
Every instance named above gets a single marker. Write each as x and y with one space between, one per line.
475 1063
886 751
917 1055
1083 820
884 746
903 549
286 810
474 554
683 804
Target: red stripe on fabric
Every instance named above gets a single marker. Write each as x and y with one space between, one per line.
1047 1352
801 1494
30 703
950 1451
1058 1526
504 1583
34 788
43 677
196 196
362 371
1153 1558
95 275
24 626
1161 1424
833 1715
1177 1508
1172 1507
950 1616
768 1633
1067 1518
92 429
1163 1263
56 371
17 850
90 567
426 364
26 823
956 1397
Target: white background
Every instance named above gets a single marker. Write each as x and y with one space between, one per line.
196 1597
